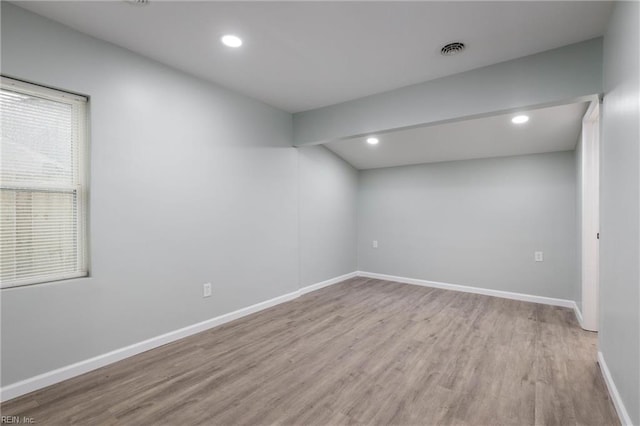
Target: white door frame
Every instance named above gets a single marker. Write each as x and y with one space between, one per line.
590 210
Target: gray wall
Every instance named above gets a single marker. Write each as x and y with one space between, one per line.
553 76
619 337
190 183
328 193
475 222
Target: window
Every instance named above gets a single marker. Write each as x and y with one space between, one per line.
43 184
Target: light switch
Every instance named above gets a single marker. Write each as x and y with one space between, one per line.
375 244
539 257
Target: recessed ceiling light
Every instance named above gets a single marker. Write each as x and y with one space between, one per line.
519 119
231 40
372 141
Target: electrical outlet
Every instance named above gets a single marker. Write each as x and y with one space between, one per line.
538 256
206 289
375 244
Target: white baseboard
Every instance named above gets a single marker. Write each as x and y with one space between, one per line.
318 286
578 312
58 375
613 391
468 289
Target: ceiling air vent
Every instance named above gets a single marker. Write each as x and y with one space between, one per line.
138 2
452 48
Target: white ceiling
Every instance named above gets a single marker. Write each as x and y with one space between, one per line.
548 130
304 55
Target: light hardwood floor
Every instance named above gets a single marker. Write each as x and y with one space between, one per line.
362 352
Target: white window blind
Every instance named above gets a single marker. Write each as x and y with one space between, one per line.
43 184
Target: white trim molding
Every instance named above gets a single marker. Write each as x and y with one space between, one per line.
625 420
576 310
49 378
589 189
476 290
332 281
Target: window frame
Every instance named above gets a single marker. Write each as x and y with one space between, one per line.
80 189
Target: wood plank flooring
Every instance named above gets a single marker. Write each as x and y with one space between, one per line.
360 352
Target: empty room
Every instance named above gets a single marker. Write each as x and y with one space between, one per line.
320 213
